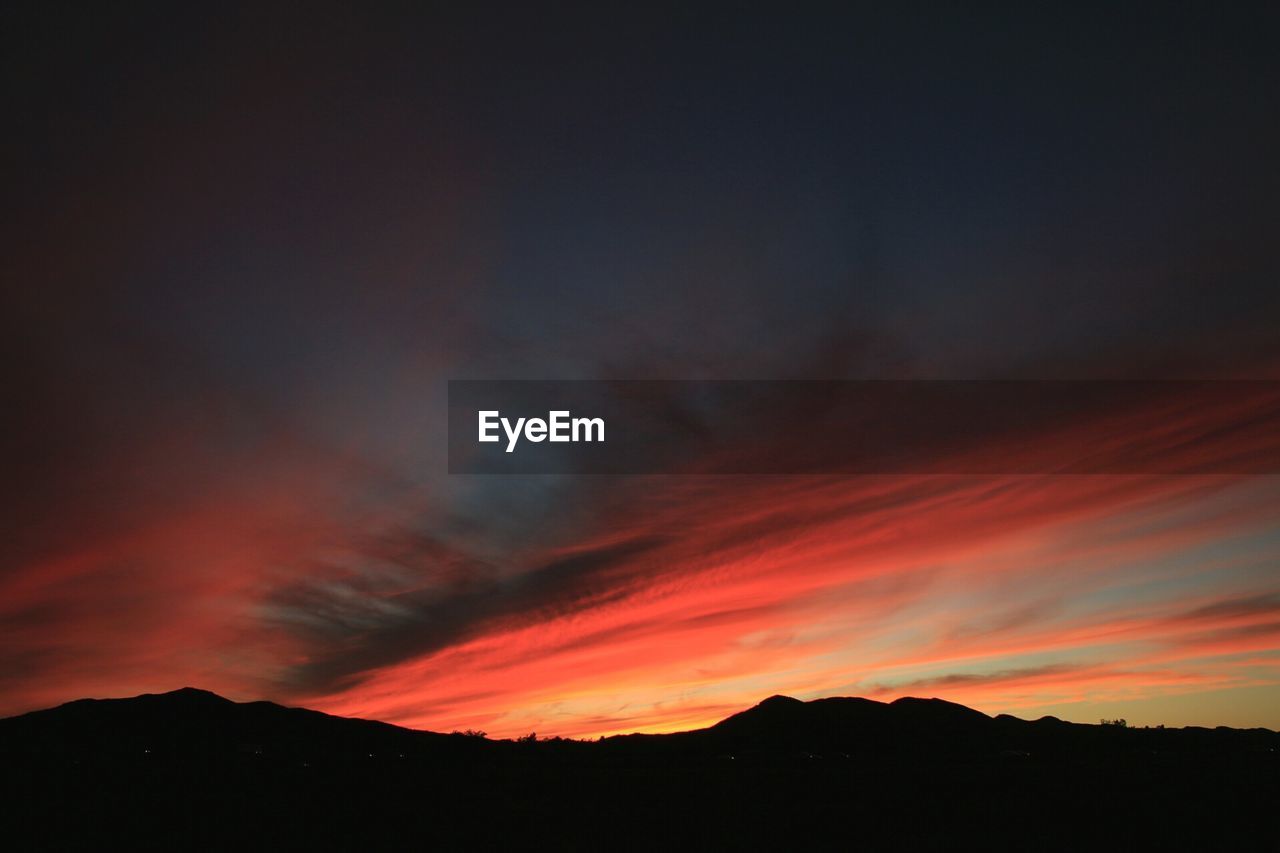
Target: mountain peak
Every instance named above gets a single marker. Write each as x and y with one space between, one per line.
191 694
935 704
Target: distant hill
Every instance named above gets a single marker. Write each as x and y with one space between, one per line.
191 722
931 729
195 770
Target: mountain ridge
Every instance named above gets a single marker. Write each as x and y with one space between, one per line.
774 715
190 769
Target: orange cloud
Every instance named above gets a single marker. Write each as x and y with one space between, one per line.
661 603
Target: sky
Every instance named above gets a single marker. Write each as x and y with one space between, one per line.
248 248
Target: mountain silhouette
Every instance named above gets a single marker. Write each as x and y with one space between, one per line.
190 722
851 721
194 770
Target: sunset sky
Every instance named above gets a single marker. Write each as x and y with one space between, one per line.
249 250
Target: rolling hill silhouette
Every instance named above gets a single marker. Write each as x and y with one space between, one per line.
191 722
193 769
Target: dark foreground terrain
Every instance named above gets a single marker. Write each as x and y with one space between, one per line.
191 770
